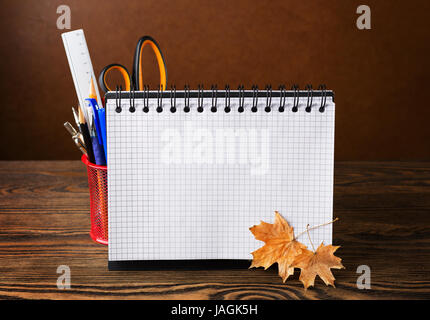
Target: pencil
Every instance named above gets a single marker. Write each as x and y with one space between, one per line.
93 94
86 135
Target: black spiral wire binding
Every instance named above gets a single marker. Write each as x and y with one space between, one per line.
145 98
214 98
173 99
187 98
282 98
241 89
295 108
118 108
268 107
227 108
254 98
310 98
323 97
132 100
201 95
160 99
200 98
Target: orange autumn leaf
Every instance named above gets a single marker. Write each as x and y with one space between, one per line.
318 263
280 246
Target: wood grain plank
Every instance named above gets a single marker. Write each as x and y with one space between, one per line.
384 216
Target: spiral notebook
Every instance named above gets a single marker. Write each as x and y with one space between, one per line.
190 171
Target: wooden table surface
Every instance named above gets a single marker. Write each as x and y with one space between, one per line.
384 211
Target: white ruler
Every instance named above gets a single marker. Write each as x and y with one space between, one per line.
80 66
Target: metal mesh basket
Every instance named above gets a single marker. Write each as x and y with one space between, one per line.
97 183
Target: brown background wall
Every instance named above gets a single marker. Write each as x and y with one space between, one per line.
379 75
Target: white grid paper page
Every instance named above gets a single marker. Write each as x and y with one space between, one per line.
190 185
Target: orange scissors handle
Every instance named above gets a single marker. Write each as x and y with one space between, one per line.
109 68
137 76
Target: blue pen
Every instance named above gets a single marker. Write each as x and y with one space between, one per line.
98 151
102 119
94 105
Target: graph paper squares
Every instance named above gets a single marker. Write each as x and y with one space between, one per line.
190 185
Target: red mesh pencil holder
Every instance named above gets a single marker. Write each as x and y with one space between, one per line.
97 183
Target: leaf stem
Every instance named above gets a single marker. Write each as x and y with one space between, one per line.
309 236
314 227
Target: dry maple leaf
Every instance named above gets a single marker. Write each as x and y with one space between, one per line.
280 246
319 263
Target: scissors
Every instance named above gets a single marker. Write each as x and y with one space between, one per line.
136 80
